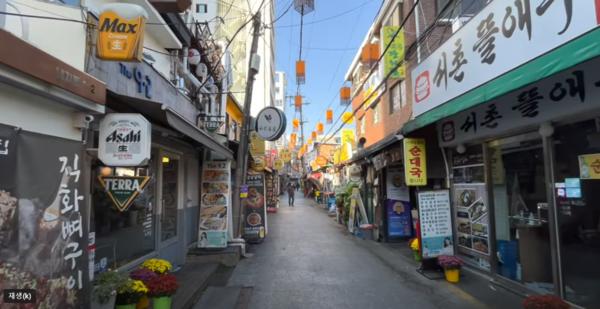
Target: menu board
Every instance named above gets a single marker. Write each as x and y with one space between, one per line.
271 197
216 180
254 207
436 224
472 220
399 219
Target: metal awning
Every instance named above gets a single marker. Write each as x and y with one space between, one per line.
568 55
162 114
375 148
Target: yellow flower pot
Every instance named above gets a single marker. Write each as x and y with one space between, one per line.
452 275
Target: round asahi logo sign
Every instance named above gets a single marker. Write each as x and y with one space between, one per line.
270 123
124 140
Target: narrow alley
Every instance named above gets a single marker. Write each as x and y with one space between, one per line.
309 261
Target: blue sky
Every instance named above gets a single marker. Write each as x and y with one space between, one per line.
332 34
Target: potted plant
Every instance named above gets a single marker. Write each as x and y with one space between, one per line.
414 246
105 289
161 289
130 293
451 265
544 302
159 266
144 275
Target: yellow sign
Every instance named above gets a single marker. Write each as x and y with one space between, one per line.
321 161
415 162
395 54
347 139
258 164
257 145
589 166
285 155
278 164
121 32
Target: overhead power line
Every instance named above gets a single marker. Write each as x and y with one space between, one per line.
330 17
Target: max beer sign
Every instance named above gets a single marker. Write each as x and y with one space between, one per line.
121 32
124 140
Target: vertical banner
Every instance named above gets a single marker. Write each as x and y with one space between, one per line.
395 54
436 224
271 197
254 207
472 221
216 186
43 211
415 162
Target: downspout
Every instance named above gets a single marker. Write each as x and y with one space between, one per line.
418 31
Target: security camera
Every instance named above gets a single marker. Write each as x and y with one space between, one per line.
82 120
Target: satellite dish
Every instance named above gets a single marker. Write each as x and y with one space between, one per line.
194 56
202 72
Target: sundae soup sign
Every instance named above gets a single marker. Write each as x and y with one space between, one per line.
124 140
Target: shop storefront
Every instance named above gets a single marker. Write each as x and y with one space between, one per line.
163 219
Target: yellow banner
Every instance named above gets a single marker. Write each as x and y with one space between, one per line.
395 53
415 162
589 166
121 34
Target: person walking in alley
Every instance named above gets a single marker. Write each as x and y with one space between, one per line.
290 191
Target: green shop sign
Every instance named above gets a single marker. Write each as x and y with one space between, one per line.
123 190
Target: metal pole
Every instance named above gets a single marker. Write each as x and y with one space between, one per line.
242 155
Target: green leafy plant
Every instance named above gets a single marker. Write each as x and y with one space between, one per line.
106 285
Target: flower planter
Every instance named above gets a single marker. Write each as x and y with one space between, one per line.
161 302
452 275
128 306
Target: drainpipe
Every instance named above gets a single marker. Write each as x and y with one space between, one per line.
418 32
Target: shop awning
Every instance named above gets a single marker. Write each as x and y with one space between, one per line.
375 148
570 54
162 114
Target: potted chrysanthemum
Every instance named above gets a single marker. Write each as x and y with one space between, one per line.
414 246
451 265
130 293
105 289
158 266
145 275
161 289
544 302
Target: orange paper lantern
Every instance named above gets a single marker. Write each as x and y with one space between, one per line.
345 95
329 116
314 135
300 72
320 127
370 53
296 123
298 102
293 137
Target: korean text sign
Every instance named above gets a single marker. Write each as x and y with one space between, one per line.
485 47
436 223
415 162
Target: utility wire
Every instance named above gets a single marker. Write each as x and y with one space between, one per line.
330 17
410 51
280 16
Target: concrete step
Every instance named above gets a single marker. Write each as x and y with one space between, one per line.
214 297
229 256
193 278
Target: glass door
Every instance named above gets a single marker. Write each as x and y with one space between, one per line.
170 197
522 229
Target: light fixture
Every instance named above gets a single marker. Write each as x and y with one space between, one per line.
106 171
461 148
166 159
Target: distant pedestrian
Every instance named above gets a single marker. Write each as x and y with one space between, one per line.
290 191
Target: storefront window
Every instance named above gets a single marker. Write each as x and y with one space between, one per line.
577 185
521 211
122 236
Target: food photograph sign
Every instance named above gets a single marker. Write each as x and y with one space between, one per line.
254 207
214 210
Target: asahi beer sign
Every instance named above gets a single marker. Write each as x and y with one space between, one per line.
485 47
124 140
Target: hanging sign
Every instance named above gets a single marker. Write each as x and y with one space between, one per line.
589 166
257 145
258 164
121 32
278 165
436 224
214 210
270 123
285 155
415 170
123 190
124 140
484 48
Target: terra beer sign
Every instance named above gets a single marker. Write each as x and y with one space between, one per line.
121 32
124 140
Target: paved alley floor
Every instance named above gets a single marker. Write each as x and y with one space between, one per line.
308 261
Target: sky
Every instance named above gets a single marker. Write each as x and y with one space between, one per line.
331 37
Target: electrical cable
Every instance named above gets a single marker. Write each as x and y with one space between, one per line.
330 17
410 51
280 16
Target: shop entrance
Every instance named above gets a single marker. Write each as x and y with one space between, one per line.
521 211
170 207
